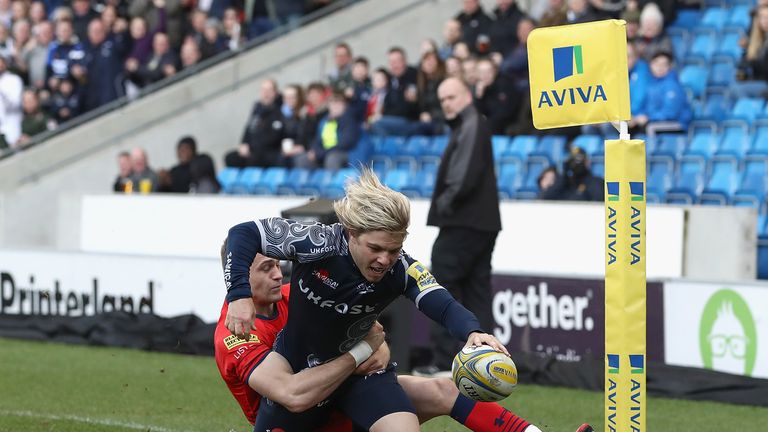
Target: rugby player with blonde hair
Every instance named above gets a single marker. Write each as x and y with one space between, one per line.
343 277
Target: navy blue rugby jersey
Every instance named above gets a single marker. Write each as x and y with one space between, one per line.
332 306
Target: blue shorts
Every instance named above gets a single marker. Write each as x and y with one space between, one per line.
364 399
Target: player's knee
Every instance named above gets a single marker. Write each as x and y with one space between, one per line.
446 394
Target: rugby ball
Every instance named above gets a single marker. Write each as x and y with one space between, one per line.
484 374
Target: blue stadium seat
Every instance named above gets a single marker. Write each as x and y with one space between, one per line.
227 179
270 180
418 145
694 78
410 151
722 183
439 143
500 144
362 153
669 147
529 189
550 149
735 140
739 17
428 163
396 179
679 38
508 180
249 178
717 107
752 187
388 146
729 44
759 145
317 180
687 185
703 46
597 167
381 165
420 185
659 180
295 180
334 188
591 144
722 72
520 147
762 224
687 19
749 88
714 18
747 109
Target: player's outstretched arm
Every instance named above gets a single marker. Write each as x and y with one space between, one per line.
273 377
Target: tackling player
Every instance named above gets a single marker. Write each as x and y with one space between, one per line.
238 362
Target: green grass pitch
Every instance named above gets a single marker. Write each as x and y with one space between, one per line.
64 388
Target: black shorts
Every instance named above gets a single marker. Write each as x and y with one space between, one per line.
364 399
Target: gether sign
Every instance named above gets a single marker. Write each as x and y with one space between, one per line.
578 74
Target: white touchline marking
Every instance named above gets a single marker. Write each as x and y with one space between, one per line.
89 420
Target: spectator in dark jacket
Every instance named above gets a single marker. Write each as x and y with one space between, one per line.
142 37
474 22
359 92
401 107
82 14
103 66
163 63
337 135
64 52
576 183
451 36
64 103
495 97
431 74
213 41
503 30
579 12
465 206
179 178
298 138
203 174
175 16
264 132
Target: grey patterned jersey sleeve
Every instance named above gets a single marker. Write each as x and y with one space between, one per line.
291 240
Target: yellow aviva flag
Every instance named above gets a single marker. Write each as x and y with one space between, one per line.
578 74
625 295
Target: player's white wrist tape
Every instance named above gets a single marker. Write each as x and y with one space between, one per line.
360 352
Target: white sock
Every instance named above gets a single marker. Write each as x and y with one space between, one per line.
532 428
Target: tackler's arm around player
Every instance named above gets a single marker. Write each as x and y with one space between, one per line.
378 361
274 379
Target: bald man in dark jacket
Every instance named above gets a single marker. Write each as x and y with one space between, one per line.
465 206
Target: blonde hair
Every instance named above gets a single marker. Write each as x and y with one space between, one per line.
368 205
756 36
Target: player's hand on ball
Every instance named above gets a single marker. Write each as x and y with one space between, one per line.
478 339
376 362
240 316
375 336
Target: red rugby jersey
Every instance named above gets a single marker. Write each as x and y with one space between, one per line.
236 358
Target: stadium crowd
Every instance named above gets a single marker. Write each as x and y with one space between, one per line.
320 123
63 58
